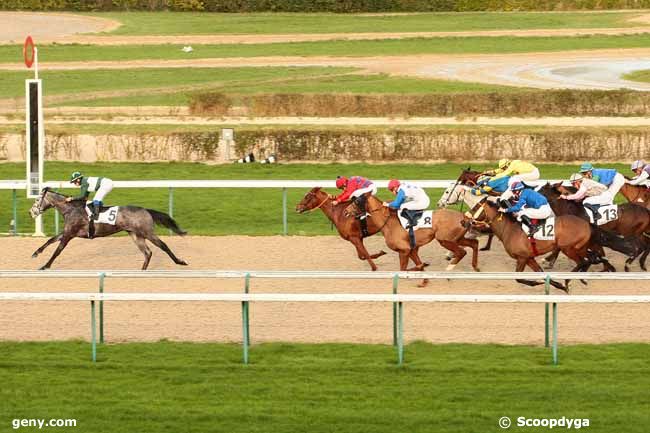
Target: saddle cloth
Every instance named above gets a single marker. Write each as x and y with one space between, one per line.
546 231
108 215
423 223
607 213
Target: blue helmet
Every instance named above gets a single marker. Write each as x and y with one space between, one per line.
517 186
586 167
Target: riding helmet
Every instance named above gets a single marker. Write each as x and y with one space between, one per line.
393 184
503 163
584 168
517 186
341 181
575 177
639 163
76 175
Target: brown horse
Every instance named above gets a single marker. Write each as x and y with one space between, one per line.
633 220
573 237
637 194
445 228
348 228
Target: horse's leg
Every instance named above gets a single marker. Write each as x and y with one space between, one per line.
473 244
362 252
643 258
62 244
551 258
163 246
532 264
488 245
141 243
49 242
377 255
459 253
521 265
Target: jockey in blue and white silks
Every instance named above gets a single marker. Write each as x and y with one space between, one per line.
530 205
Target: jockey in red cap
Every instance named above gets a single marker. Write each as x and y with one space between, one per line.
356 188
410 199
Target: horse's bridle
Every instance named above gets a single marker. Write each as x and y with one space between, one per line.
319 206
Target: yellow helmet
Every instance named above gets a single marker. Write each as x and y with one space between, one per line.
503 163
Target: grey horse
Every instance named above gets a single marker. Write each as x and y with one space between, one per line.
136 221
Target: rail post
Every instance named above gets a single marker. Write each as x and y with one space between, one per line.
555 333
284 211
395 282
547 290
400 335
56 222
101 309
14 206
93 331
245 322
171 204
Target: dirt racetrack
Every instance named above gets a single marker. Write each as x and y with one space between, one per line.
292 322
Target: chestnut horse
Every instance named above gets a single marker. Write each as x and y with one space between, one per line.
633 220
348 228
573 236
637 194
445 228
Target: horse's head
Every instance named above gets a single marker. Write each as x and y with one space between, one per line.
312 200
453 194
41 204
480 215
468 177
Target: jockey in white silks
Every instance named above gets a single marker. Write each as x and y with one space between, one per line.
410 200
642 171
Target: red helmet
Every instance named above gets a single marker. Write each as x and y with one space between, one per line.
341 181
393 184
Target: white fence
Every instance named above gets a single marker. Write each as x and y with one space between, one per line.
397 300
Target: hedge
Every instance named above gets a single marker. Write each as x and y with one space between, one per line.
336 6
524 103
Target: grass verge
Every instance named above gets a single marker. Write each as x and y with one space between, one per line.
172 387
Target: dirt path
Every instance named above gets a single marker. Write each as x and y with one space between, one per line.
589 69
510 324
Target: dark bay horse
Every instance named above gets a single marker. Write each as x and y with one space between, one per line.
633 220
348 228
445 228
136 221
573 236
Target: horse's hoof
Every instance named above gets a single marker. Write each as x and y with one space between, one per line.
448 258
43 268
34 255
424 283
183 263
477 269
484 249
425 264
450 268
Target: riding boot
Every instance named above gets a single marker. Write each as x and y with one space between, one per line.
409 217
532 228
95 214
361 204
594 210
91 228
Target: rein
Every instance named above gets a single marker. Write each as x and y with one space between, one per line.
319 206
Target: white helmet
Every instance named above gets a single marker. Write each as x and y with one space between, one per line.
639 163
576 176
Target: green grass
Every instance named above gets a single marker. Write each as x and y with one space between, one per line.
234 211
181 387
169 23
360 48
106 80
642 76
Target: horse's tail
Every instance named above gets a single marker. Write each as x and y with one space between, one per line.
630 246
165 220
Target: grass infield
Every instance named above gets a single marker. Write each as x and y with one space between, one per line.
183 387
185 23
236 211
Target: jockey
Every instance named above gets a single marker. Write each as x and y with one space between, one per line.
609 177
519 171
355 187
101 186
642 171
486 184
585 188
530 204
410 200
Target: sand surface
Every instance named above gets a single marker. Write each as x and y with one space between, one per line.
319 322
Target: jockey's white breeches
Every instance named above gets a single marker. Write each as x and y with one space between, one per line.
104 188
608 196
541 213
421 203
523 177
372 189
